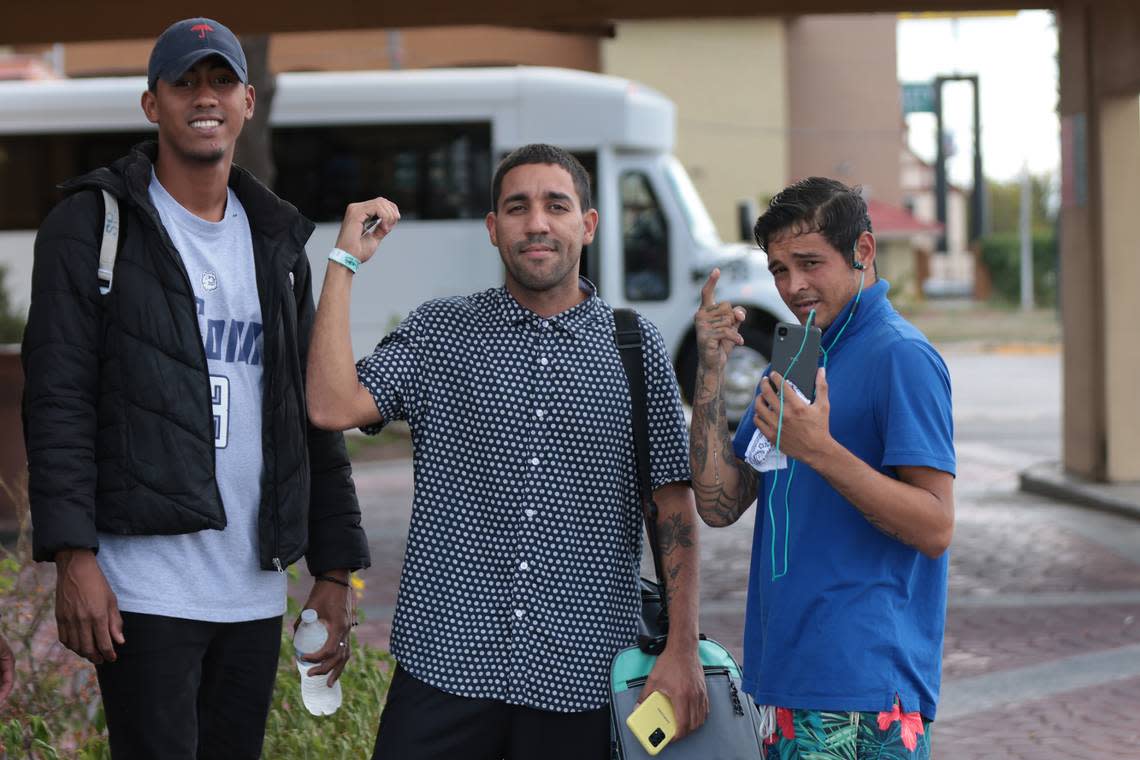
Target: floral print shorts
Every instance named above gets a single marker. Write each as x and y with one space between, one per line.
820 735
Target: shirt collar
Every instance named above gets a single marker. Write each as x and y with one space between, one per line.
869 303
570 321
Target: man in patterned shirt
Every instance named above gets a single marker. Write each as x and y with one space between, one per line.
520 578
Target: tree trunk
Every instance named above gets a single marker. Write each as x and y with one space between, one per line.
255 145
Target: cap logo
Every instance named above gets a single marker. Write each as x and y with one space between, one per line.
201 29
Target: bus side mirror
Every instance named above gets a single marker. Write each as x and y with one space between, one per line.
746 213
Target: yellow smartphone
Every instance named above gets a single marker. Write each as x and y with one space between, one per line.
653 722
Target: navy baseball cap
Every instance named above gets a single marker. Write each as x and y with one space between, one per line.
186 42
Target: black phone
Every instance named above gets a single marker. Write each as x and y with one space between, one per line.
795 355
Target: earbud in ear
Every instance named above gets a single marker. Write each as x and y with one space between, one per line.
858 265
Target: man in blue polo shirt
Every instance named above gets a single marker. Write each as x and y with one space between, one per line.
847 589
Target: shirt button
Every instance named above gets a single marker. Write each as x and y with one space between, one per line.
519 614
534 461
539 413
524 566
531 513
544 361
544 324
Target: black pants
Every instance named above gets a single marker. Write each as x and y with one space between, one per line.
420 722
190 690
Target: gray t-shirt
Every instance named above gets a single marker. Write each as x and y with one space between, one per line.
211 575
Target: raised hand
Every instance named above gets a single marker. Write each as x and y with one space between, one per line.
717 326
358 235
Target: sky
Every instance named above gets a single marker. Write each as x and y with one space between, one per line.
1015 60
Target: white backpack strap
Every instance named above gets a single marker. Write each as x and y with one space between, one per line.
110 248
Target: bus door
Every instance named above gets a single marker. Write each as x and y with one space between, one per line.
654 247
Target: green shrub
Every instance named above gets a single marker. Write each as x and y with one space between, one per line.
1001 253
54 711
350 732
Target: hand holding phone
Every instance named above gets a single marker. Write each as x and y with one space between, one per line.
795 355
653 722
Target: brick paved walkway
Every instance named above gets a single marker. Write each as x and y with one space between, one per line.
1042 656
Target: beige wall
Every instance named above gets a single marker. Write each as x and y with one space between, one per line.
728 80
844 101
1100 263
1120 136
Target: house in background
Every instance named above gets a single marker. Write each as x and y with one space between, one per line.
951 270
905 244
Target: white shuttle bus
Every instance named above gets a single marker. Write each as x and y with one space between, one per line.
429 140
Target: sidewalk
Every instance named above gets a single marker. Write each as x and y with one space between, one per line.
1041 657
1042 650
1050 479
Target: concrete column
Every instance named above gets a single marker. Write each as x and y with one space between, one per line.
1120 206
1083 405
1100 255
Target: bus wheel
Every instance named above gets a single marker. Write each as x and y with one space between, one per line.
745 365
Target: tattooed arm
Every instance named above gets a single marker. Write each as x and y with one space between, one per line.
678 673
680 558
725 487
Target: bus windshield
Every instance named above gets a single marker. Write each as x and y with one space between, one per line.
696 215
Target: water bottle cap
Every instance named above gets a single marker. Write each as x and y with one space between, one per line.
308 616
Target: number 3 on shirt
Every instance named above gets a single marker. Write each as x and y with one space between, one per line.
220 399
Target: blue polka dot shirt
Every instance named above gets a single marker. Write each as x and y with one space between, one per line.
524 549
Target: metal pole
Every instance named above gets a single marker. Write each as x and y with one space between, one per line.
940 166
978 202
1026 233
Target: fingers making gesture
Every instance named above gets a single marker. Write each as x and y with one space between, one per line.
717 326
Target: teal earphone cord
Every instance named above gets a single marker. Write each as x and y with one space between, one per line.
780 425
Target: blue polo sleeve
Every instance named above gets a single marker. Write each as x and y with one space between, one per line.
914 412
390 372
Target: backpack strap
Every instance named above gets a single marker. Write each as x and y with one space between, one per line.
110 246
630 343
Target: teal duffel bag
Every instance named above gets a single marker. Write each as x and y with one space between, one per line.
732 729
731 732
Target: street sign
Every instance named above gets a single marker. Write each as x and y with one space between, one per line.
917 97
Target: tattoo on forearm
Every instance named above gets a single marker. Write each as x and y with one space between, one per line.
672 532
716 504
671 584
886 531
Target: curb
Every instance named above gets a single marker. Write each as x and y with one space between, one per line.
1051 480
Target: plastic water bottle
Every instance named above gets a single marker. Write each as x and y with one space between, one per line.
318 696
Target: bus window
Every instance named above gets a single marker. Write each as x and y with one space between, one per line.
32 165
431 171
588 266
645 240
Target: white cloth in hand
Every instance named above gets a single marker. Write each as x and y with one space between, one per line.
761 453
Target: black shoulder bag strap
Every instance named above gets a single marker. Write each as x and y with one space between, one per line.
630 343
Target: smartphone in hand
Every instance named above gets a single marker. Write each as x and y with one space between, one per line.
653 722
795 355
